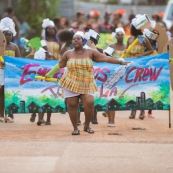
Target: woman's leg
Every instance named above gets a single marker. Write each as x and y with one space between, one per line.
48 121
141 115
133 114
149 111
40 118
150 115
73 103
78 118
33 116
88 102
111 118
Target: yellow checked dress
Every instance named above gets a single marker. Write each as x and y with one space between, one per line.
137 49
118 53
53 47
79 77
10 53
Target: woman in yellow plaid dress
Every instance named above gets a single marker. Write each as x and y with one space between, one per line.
78 80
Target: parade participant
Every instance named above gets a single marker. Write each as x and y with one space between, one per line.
109 51
78 80
9 12
152 37
93 17
65 37
117 20
119 46
2 87
92 38
57 22
42 54
78 24
143 48
116 51
50 35
106 27
8 27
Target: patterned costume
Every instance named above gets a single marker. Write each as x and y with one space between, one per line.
53 47
79 77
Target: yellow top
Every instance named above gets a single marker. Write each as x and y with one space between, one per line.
118 53
10 53
53 47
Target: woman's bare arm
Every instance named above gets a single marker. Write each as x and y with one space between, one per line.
98 57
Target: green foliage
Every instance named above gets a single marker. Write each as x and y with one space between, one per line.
112 1
35 11
162 94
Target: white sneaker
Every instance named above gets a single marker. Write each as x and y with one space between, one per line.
2 120
10 120
111 125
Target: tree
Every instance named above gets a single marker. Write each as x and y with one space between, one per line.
34 11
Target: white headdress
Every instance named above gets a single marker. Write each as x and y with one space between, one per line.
7 24
79 33
140 21
109 51
91 33
119 29
47 22
150 34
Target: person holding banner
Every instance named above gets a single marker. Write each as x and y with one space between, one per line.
2 92
152 37
141 48
8 27
49 35
42 54
78 80
116 51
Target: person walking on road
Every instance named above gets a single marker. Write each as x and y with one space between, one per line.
78 80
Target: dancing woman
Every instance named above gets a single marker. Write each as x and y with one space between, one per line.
78 80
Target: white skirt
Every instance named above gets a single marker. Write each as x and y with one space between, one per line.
68 93
1 76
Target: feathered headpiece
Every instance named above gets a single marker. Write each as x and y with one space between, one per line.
7 24
47 22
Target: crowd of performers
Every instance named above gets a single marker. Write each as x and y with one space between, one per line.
76 49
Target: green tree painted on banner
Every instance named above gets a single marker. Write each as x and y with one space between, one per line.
161 94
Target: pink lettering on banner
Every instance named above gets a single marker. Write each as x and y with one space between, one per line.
55 94
100 74
27 72
142 74
112 92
